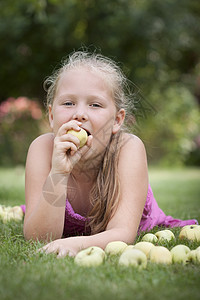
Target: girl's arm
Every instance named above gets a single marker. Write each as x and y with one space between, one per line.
124 224
43 215
48 167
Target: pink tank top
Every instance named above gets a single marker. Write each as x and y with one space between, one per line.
152 216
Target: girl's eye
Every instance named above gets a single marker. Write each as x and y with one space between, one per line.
68 103
95 105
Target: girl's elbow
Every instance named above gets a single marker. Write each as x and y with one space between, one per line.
40 236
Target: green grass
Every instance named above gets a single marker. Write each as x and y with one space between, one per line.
24 274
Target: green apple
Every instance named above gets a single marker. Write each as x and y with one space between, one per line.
190 232
160 255
90 257
198 256
115 247
179 253
164 235
81 135
145 247
16 213
193 256
133 257
8 213
129 247
5 217
188 226
1 211
150 237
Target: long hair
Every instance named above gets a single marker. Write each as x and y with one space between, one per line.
105 193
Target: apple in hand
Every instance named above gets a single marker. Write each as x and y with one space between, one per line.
179 253
90 257
150 237
81 135
145 247
160 255
190 232
133 257
166 235
115 247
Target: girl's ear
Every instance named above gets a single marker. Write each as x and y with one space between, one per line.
50 116
119 120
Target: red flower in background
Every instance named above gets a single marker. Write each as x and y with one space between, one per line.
15 108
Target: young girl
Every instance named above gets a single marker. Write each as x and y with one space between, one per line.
91 195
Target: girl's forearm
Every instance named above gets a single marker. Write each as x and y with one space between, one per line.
102 239
46 221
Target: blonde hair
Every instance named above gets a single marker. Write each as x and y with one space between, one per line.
104 195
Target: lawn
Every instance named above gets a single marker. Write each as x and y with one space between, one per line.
24 274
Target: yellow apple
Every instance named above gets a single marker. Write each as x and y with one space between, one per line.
150 237
188 226
190 232
5 216
90 257
1 211
133 257
129 247
179 253
198 256
17 213
8 213
160 255
81 135
144 247
115 247
193 257
165 235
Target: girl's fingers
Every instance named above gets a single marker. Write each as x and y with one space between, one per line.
65 146
43 249
52 248
49 248
70 138
62 253
89 141
69 125
86 147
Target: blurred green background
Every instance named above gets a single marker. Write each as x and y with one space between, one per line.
157 43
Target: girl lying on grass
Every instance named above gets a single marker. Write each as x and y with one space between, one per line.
91 195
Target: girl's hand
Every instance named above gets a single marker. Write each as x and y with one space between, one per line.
61 247
66 152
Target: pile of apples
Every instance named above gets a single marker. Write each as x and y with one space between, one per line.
8 213
148 250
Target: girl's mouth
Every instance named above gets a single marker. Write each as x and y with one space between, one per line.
88 133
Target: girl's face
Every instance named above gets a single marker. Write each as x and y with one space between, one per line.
84 96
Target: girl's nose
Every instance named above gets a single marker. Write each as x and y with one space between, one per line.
80 116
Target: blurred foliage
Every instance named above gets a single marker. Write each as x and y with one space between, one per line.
170 133
20 123
157 42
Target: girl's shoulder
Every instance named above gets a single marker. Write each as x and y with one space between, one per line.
132 161
130 142
132 148
42 144
43 139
